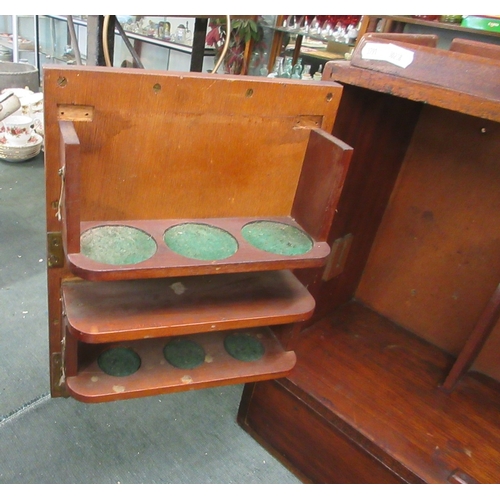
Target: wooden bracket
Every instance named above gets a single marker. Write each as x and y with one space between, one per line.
338 256
75 113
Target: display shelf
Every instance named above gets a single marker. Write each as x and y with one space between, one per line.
336 48
435 24
156 375
124 310
312 36
23 44
18 34
180 47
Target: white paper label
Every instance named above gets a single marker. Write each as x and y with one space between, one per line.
387 52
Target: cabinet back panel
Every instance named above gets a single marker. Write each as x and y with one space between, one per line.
164 145
435 260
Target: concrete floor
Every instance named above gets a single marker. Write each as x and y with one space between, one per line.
184 438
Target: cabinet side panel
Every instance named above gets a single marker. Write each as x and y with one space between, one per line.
306 441
379 128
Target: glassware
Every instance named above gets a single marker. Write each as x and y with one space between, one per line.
297 69
180 34
287 68
278 68
188 35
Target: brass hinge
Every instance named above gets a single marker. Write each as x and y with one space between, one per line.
55 252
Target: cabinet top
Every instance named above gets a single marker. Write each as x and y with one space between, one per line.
457 79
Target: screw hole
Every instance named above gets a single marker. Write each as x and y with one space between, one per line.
249 93
329 96
156 88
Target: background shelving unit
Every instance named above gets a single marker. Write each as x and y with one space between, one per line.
294 42
446 32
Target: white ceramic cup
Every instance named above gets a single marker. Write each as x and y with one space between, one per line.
18 129
9 105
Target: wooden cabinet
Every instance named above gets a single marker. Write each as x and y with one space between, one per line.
399 359
177 207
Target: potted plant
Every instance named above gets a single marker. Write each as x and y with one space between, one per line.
243 34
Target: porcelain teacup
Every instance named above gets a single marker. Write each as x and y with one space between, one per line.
18 129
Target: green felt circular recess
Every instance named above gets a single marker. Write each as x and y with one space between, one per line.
277 238
200 241
184 353
244 346
117 245
119 361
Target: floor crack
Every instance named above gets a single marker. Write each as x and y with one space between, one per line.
24 408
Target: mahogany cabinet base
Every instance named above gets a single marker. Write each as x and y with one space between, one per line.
281 418
365 404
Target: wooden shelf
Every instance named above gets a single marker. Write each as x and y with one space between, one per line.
165 262
374 384
157 376
99 312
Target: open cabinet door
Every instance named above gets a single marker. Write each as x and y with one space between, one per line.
178 207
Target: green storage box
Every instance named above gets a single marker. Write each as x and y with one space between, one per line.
482 23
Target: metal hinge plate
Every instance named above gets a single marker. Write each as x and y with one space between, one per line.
55 252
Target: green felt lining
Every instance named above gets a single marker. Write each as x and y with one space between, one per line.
119 361
184 353
277 238
200 241
244 346
117 245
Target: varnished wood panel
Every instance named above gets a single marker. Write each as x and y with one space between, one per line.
311 446
475 48
443 68
434 263
383 382
379 128
125 310
160 146
320 185
463 102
